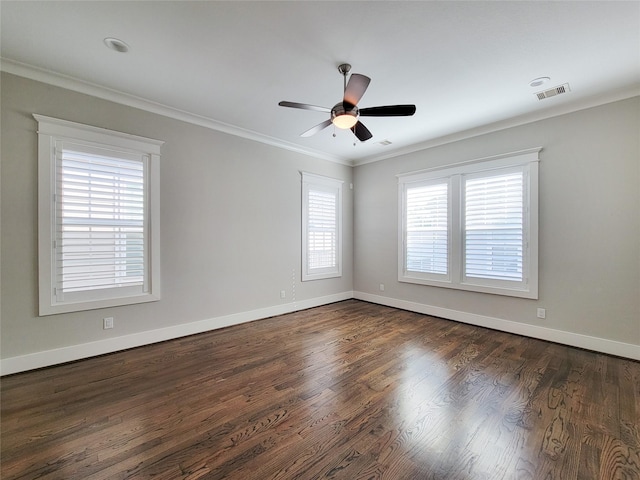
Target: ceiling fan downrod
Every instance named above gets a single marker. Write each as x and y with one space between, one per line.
344 69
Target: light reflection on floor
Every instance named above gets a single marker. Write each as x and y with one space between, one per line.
425 409
440 414
440 409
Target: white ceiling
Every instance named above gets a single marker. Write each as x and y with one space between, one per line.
226 65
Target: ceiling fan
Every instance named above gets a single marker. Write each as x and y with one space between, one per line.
345 114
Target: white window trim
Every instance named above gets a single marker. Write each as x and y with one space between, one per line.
310 180
52 130
526 159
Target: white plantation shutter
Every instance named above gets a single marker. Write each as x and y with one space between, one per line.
321 227
472 226
100 220
98 217
322 231
494 227
427 249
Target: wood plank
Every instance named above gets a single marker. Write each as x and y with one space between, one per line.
350 390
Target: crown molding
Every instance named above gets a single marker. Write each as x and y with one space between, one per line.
583 104
70 83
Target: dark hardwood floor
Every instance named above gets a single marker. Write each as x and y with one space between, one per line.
349 391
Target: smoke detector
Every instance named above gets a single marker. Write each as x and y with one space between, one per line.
116 45
536 82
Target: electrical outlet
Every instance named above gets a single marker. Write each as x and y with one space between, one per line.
107 323
382 287
283 294
542 313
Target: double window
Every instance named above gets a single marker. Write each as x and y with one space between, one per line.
472 226
98 217
321 227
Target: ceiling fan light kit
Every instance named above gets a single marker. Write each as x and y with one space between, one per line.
346 114
343 118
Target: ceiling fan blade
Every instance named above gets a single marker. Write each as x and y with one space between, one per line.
316 129
304 106
389 111
362 132
356 87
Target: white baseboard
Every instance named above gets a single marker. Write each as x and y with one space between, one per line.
602 345
77 352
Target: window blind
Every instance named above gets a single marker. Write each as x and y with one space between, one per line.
490 225
427 229
100 222
322 230
494 227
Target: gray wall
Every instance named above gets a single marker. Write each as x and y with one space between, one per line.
230 222
219 193
589 223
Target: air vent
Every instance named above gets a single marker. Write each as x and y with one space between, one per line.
552 92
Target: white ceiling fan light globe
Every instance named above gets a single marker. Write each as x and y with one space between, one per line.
343 118
345 121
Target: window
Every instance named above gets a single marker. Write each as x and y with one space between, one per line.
427 220
472 226
321 227
98 214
